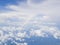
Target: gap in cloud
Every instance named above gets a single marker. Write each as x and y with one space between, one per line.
5 3
14 2
3 9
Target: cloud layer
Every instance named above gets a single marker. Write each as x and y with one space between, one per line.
37 18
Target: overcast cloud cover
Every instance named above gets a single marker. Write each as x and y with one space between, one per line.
23 22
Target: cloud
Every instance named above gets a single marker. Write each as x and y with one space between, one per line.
36 19
21 43
46 31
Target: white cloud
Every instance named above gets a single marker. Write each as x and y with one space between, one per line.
21 35
38 33
57 35
26 14
22 44
46 31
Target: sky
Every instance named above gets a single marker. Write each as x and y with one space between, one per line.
29 22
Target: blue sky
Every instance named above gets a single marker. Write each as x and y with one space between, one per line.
29 22
5 2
